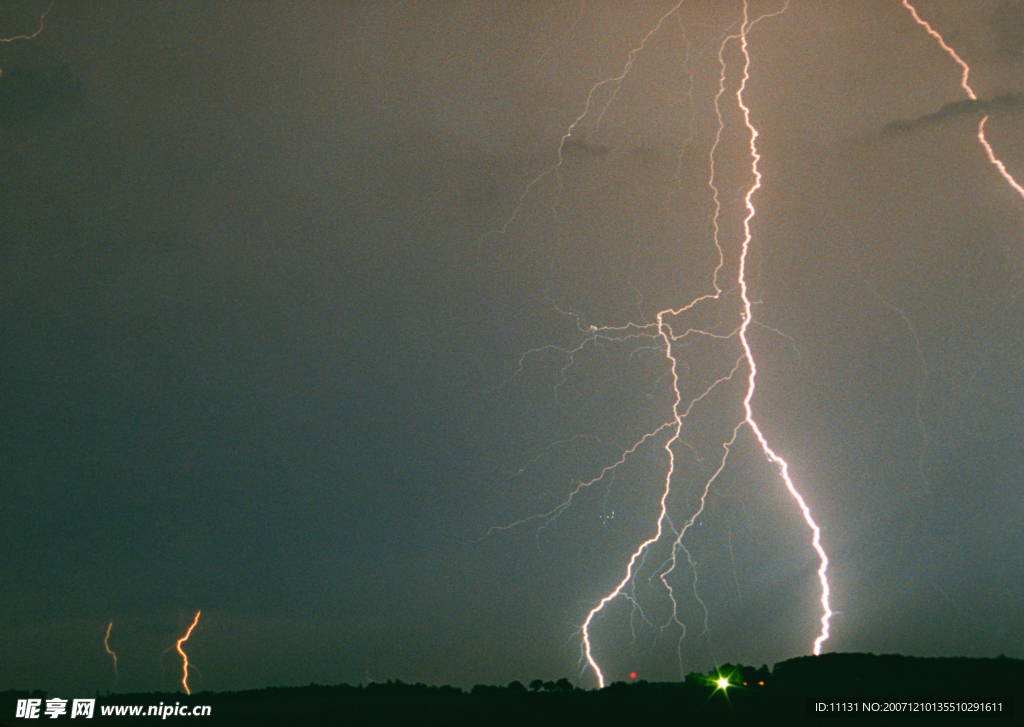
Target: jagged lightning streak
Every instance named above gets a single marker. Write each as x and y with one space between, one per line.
966 86
664 330
666 333
184 656
29 36
747 317
106 645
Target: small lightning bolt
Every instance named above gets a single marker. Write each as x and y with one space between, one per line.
966 86
29 36
106 645
184 656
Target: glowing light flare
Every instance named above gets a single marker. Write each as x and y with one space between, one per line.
966 86
722 683
184 656
29 36
106 645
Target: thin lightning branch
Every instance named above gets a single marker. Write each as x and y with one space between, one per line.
615 82
547 451
106 645
163 668
735 578
693 567
711 164
550 515
922 385
29 36
922 363
184 656
966 86
693 111
678 544
591 335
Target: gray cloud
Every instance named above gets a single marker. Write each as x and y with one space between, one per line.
955 109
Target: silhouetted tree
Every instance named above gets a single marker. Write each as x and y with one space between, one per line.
564 685
536 685
516 687
694 679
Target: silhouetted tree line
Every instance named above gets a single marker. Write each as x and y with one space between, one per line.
755 696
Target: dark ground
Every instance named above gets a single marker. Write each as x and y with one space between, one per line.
861 686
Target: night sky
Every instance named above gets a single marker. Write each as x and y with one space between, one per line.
287 296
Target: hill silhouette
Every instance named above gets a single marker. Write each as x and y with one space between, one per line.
847 689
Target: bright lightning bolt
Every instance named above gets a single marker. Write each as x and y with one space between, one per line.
29 36
665 331
106 645
966 86
669 334
184 656
747 317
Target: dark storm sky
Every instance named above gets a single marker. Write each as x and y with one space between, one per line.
259 349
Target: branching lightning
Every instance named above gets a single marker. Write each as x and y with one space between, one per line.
615 83
184 656
106 645
966 86
668 333
29 36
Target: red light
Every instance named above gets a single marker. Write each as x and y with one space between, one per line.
632 675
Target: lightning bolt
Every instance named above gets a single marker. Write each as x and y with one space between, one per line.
668 333
106 645
747 318
748 421
966 86
29 36
184 656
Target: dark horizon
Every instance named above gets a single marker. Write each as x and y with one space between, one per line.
314 315
855 687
